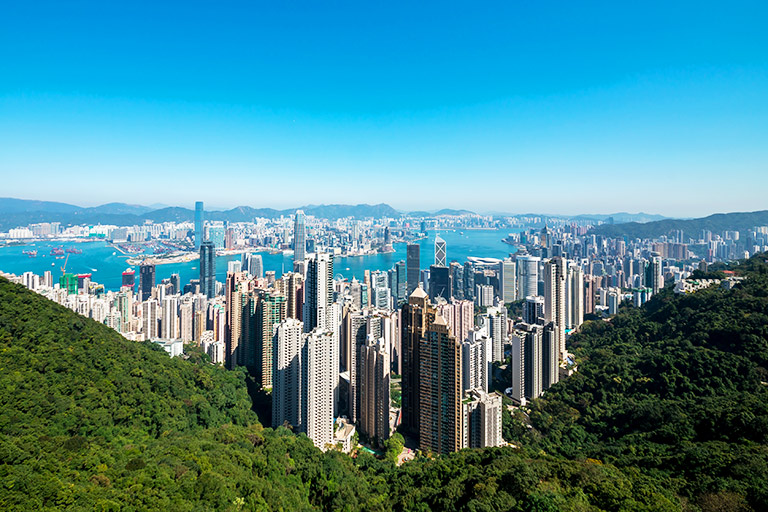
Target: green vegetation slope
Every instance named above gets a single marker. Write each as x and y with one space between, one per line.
667 412
677 391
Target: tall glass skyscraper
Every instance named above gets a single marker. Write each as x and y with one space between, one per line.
412 264
208 269
146 281
199 224
299 237
440 253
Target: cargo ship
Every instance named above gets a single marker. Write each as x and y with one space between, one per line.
31 254
57 251
73 250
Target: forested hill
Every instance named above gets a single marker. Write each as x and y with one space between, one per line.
668 411
90 421
677 391
738 221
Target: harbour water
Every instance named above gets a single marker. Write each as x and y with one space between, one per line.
106 264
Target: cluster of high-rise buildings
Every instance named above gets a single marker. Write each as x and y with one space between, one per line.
330 349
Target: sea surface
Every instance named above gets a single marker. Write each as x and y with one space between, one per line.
106 264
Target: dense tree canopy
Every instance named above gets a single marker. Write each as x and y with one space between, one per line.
668 411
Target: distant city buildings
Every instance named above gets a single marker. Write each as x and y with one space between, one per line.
330 348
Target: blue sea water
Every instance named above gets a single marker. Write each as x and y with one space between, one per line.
107 265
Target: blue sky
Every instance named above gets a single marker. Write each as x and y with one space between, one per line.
519 106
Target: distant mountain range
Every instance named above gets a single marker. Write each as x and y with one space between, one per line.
21 212
737 221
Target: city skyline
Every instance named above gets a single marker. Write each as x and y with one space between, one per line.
658 105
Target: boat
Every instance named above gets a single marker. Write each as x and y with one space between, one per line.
57 251
73 250
31 254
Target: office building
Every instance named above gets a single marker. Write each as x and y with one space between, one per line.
507 281
299 237
528 276
129 279
199 225
439 282
146 281
440 252
413 267
208 269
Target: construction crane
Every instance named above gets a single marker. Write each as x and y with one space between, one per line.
64 267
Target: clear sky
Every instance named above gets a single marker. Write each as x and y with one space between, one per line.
516 105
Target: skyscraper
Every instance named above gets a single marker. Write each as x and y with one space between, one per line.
199 225
440 389
574 297
270 312
439 282
318 296
528 270
476 361
402 283
495 323
146 280
440 252
208 269
460 315
655 278
237 353
299 237
149 319
533 310
413 264
288 389
170 320
374 391
550 358
507 281
291 286
482 419
554 298
322 377
417 315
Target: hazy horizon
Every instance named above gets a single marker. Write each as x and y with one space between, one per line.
517 107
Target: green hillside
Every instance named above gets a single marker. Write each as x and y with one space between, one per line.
668 411
717 223
677 390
